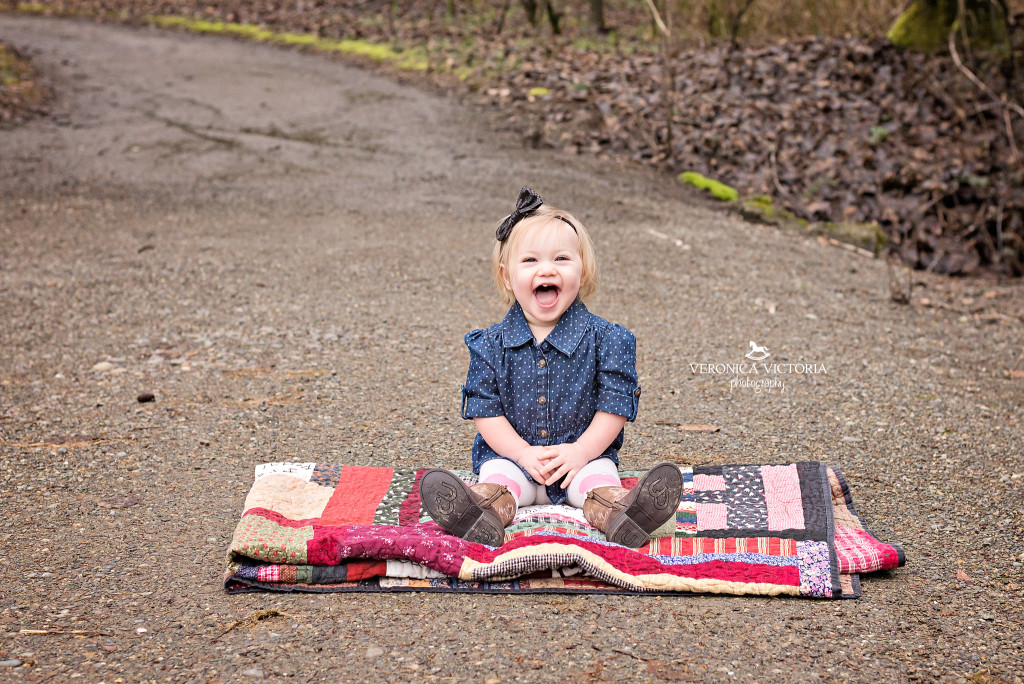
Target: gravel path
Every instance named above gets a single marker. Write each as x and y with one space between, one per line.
286 251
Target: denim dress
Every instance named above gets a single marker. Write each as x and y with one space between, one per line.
550 391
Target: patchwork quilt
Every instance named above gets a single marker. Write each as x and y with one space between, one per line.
770 530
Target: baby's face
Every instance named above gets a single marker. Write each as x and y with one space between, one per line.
544 273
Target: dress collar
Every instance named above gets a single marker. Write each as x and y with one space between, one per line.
565 337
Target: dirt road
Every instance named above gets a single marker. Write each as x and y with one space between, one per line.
286 251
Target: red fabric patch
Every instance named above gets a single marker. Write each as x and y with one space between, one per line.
409 512
359 491
424 543
359 570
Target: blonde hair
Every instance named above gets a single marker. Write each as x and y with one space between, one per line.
546 214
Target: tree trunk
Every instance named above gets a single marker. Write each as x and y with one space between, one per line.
925 25
554 18
597 16
530 8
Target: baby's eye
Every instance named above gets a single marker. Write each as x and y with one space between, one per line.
528 259
561 258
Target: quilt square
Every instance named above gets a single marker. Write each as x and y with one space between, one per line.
744 497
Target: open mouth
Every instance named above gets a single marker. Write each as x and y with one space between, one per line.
546 295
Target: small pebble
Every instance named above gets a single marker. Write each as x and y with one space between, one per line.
13 662
374 652
145 397
254 672
103 366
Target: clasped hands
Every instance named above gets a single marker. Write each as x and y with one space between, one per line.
548 464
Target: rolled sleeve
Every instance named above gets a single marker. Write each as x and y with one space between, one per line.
618 388
480 393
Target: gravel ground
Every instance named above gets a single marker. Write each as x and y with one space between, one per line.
286 252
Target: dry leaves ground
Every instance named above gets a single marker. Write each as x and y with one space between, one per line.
876 146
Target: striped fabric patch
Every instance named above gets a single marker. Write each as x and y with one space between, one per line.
782 497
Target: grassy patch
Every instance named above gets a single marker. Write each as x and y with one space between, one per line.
32 8
21 94
11 71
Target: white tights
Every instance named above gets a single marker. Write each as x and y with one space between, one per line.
600 472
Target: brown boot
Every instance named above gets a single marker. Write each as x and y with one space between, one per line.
478 513
628 516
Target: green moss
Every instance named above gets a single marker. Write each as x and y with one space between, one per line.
719 190
538 92
926 24
413 60
878 134
762 209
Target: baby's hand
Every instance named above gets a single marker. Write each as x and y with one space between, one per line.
532 458
569 461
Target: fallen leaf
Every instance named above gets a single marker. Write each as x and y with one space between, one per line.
963 576
1016 374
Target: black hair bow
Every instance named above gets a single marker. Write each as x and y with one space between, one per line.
528 202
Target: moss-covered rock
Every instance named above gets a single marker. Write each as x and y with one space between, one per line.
761 209
717 189
869 236
926 24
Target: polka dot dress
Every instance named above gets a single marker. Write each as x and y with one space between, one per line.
550 391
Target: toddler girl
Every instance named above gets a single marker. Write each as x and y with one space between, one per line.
549 389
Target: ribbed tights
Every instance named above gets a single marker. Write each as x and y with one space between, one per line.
600 472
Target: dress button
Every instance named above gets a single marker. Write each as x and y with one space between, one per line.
542 363
637 393
543 434
543 400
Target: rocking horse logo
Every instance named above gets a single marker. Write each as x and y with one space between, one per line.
757 352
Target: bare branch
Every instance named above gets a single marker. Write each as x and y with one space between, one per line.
657 18
1002 100
974 79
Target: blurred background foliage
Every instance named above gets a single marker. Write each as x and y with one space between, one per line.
895 125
